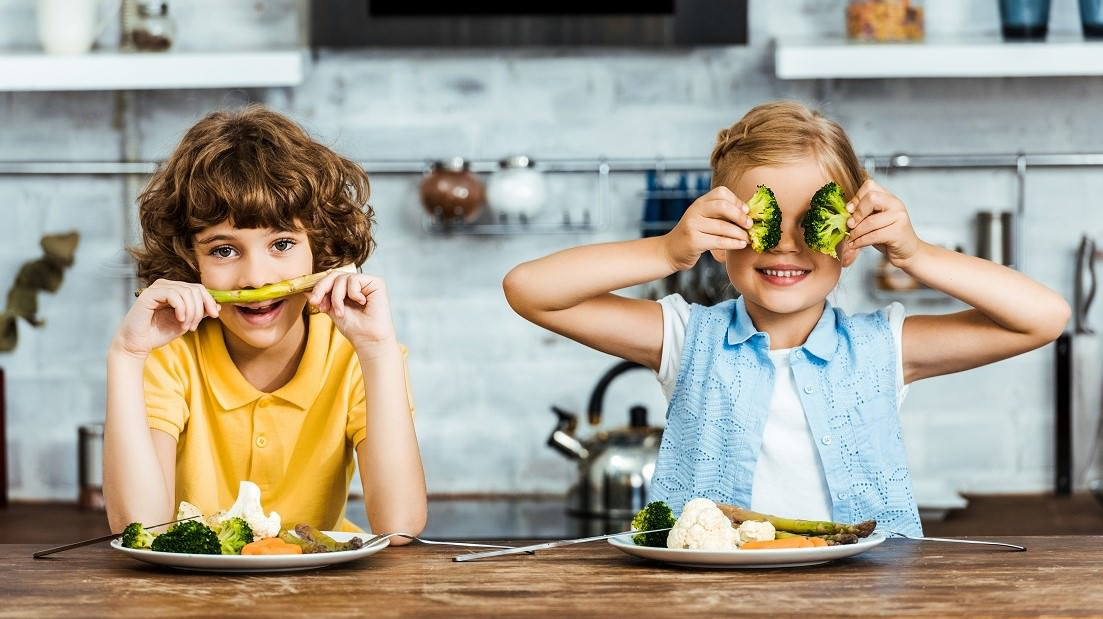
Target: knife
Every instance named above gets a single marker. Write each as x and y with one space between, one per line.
533 548
96 540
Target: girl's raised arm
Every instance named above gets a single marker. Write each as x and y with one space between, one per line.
1012 313
570 292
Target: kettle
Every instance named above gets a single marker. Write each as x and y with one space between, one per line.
614 466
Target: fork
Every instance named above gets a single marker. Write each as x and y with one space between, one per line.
383 536
954 541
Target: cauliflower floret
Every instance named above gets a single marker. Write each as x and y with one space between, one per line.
247 507
702 526
755 531
187 510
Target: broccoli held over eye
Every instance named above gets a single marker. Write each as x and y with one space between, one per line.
190 537
654 515
764 212
234 533
136 536
825 222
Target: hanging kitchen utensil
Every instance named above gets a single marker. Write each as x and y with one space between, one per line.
1079 390
1086 368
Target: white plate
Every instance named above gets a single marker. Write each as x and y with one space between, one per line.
781 557
253 563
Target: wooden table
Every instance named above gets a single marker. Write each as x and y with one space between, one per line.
1060 575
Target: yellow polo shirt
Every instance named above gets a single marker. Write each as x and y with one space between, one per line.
296 443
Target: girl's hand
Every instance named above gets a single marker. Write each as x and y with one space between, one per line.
164 311
358 305
880 219
716 220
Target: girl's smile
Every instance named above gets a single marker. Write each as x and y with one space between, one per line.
783 274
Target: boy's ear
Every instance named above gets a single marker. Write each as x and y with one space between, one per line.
719 255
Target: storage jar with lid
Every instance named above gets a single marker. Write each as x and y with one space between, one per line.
884 20
451 192
516 189
152 30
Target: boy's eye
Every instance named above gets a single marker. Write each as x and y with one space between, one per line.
283 244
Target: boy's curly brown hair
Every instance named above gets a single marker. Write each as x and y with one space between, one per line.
257 169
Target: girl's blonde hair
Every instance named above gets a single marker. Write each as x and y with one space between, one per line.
257 169
780 132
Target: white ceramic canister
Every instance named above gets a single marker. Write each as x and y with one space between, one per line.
516 189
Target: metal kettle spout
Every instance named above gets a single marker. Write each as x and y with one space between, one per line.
562 438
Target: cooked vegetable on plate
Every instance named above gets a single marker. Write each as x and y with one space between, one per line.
707 525
241 530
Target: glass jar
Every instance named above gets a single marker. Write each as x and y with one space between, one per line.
152 29
884 20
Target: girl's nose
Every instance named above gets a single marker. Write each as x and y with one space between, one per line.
792 235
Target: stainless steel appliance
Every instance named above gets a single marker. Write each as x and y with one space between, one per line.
614 466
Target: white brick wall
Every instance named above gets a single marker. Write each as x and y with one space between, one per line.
484 379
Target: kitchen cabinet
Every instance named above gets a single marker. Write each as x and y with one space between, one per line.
937 58
152 71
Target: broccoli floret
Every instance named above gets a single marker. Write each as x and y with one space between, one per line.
136 536
191 537
764 212
655 515
825 222
233 534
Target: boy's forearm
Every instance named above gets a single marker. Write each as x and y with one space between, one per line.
133 482
569 277
1004 295
391 467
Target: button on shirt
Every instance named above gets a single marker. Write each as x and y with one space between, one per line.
296 443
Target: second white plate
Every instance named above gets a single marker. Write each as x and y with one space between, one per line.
783 557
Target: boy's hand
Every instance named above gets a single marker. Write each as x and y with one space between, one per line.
163 312
879 219
716 220
358 305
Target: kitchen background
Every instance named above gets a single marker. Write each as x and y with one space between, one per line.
483 379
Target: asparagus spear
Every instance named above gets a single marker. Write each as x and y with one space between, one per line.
277 290
320 542
810 527
837 539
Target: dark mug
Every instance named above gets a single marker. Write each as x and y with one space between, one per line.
1024 20
1091 17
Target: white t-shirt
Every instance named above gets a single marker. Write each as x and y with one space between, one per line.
782 485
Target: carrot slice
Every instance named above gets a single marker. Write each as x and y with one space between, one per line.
271 546
774 544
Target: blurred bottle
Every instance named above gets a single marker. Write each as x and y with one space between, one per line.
1024 20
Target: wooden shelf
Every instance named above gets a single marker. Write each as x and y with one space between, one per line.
151 71
975 57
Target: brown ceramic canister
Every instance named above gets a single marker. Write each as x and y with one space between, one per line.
452 192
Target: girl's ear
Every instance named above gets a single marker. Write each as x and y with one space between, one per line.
720 255
847 255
